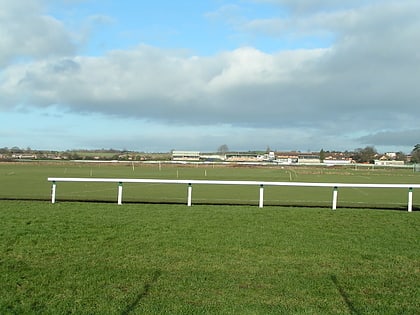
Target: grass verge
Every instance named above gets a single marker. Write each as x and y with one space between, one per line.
88 258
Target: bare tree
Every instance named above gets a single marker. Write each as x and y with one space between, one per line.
366 155
223 149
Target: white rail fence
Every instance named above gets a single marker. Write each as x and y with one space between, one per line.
261 185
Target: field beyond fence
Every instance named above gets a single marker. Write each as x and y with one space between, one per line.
29 181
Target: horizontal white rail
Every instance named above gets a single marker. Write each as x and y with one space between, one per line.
261 184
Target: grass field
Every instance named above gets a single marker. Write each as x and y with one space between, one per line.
29 181
99 258
224 255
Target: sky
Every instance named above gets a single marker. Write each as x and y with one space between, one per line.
163 75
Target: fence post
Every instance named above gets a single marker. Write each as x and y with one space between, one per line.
410 199
261 204
189 198
120 188
54 187
335 194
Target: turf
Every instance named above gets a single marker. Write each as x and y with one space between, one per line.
98 258
29 181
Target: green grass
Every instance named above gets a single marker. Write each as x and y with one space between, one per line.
29 181
90 258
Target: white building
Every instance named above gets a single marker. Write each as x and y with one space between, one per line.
389 163
308 159
185 156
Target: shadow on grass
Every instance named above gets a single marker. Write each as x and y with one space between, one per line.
129 308
401 208
344 296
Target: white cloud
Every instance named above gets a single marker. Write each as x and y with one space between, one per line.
310 6
26 32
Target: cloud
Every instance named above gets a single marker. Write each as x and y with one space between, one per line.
27 33
393 138
169 86
310 6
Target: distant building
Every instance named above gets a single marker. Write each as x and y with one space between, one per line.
242 157
270 156
22 156
389 163
331 162
337 158
286 157
391 155
308 159
212 157
186 156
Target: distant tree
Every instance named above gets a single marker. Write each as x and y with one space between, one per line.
322 155
74 156
16 150
401 156
365 155
223 149
415 154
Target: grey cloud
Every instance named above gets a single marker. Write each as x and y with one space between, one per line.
227 89
393 138
65 65
339 21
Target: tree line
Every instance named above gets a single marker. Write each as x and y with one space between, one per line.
360 155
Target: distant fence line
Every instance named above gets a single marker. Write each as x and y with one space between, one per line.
259 184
